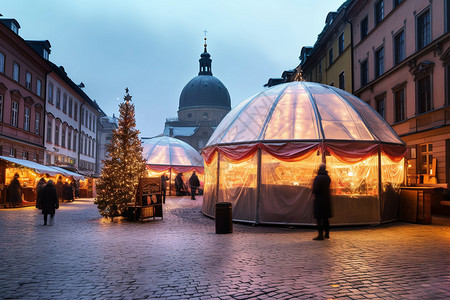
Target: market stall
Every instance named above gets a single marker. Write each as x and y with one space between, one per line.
29 174
170 156
265 153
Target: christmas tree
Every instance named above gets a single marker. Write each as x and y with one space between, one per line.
123 166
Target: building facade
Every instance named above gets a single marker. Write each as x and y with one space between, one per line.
204 102
105 131
22 95
71 124
329 61
401 65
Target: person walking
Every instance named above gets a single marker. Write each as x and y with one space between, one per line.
164 179
322 202
49 201
194 184
60 189
179 184
39 191
13 194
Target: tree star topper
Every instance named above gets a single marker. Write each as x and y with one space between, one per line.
127 97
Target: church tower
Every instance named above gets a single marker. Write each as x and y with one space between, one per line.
203 103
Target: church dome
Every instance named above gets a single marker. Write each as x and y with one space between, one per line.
205 90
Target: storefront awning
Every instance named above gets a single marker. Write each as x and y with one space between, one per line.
42 169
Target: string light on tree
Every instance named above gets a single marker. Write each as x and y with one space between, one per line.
123 166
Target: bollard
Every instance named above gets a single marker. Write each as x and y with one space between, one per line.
223 216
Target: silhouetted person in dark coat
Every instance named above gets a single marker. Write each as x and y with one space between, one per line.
68 192
60 189
164 179
179 184
194 184
13 194
49 201
39 191
322 202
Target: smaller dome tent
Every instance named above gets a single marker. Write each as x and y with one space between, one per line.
169 155
265 153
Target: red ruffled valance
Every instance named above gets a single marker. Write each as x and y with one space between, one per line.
177 169
349 152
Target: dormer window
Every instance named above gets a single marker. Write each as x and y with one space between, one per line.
45 53
14 28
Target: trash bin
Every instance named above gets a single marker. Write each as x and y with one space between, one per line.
223 216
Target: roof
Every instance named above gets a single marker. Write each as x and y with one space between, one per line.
169 151
204 91
303 111
180 131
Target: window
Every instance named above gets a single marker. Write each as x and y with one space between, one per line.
24 155
93 148
364 26
81 144
424 94
447 17
64 105
399 47
320 67
342 81
45 54
14 28
26 119
341 43
14 113
381 106
90 121
81 115
16 72
423 29
50 93
399 104
1 108
70 106
447 91
379 11
330 56
35 157
69 138
74 143
2 63
397 2
379 62
49 131
426 159
89 148
37 123
86 118
58 98
38 87
12 152
63 137
56 133
85 145
75 111
28 80
364 73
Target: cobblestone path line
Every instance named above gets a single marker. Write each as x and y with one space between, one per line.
84 257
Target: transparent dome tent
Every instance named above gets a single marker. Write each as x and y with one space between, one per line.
265 153
171 156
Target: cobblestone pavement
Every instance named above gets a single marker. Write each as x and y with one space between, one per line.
84 257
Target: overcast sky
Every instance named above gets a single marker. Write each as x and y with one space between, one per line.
153 47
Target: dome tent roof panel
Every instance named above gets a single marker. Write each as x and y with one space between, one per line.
308 111
169 151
